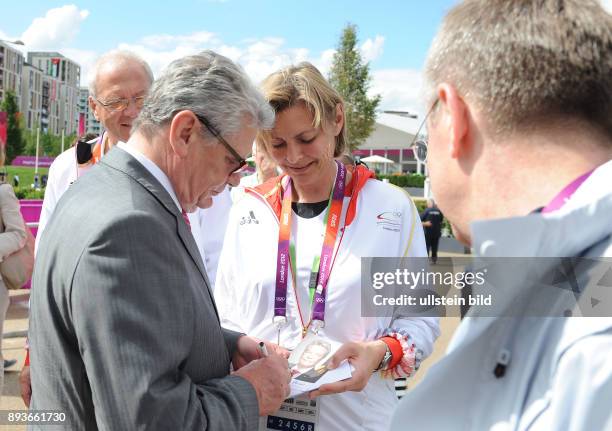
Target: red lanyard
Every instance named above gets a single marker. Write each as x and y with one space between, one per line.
324 260
98 150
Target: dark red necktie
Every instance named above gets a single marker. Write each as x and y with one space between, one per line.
186 218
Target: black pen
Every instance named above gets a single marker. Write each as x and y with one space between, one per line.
262 349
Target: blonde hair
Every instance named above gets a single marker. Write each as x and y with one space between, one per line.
304 83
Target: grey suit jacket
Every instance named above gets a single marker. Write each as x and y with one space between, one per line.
124 332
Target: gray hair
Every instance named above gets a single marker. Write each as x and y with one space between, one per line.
527 63
115 57
211 86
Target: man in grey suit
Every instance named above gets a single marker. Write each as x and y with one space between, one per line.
124 331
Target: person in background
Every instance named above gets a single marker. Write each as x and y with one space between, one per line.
432 219
119 84
519 157
12 238
309 132
265 169
347 159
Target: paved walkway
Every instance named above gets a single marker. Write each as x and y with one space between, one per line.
16 323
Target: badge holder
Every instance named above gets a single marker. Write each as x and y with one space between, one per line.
315 326
279 323
299 414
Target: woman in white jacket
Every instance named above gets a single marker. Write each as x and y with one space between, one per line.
297 240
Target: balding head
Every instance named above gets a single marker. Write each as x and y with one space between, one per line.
119 83
113 60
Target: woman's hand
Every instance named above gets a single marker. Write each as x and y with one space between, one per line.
364 357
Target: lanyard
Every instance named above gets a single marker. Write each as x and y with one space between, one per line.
321 268
565 194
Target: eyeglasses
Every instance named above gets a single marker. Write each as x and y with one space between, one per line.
419 147
239 160
118 105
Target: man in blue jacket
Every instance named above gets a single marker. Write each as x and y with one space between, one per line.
432 219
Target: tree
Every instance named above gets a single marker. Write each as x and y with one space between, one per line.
50 145
351 78
14 139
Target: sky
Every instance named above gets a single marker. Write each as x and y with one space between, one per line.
261 35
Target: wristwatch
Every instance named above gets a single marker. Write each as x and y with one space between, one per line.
384 364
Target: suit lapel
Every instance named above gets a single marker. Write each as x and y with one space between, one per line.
124 162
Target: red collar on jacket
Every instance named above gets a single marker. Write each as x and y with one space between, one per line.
270 191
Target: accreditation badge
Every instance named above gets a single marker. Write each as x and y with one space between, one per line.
295 414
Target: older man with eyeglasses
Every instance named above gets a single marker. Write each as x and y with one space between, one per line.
119 84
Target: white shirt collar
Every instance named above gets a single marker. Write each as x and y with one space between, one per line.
153 170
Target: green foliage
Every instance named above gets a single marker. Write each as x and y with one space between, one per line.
420 204
50 145
14 139
351 78
28 193
409 180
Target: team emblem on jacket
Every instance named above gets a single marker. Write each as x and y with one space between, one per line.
390 220
249 219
